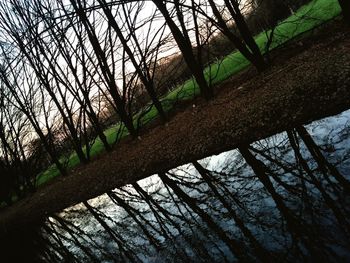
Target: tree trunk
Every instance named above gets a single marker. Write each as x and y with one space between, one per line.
146 82
252 53
186 49
257 59
345 7
106 72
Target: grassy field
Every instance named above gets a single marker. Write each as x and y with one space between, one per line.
306 18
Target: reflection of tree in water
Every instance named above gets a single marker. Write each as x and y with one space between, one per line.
275 200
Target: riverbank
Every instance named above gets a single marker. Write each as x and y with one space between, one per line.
313 83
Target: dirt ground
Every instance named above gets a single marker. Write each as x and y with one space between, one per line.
308 79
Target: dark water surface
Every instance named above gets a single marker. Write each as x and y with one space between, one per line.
281 199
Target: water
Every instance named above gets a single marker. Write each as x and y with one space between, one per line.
281 199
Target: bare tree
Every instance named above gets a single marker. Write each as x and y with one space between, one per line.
36 52
79 9
184 43
27 105
141 65
74 74
245 42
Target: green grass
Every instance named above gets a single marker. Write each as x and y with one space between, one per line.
306 18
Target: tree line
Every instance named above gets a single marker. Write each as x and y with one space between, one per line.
66 64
